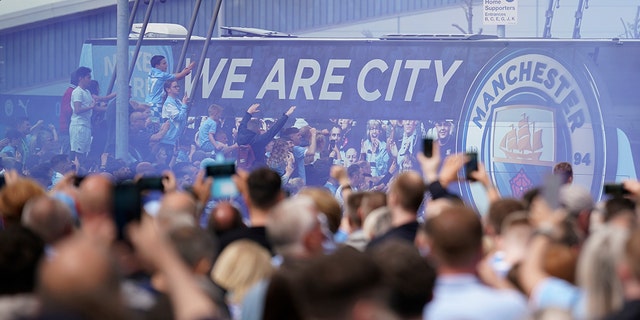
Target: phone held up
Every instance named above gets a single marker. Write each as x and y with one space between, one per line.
128 201
127 205
151 183
223 186
427 147
471 165
77 180
615 189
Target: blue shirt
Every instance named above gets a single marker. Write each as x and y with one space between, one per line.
155 85
556 293
253 303
379 159
298 155
208 126
465 297
177 119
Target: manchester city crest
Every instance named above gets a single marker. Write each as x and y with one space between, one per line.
526 111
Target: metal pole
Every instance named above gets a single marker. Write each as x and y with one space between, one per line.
122 98
192 23
578 22
131 18
203 55
537 18
143 30
546 33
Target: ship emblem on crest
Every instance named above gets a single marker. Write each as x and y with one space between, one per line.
525 142
520 131
524 136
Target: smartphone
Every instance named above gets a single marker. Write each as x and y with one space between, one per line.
615 189
332 144
427 147
151 183
551 190
471 165
151 192
127 206
223 186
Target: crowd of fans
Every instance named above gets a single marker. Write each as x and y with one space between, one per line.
166 133
330 221
416 251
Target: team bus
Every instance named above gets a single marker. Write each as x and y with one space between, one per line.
522 104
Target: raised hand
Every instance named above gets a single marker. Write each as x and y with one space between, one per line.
290 111
449 171
253 108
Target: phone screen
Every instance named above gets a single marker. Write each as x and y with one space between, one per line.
127 205
223 186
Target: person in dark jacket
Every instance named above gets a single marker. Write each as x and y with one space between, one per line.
249 133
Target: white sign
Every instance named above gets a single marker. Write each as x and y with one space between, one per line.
499 12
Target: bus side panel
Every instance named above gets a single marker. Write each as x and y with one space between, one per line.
522 105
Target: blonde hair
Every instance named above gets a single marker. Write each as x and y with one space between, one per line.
241 264
599 256
327 204
215 111
377 222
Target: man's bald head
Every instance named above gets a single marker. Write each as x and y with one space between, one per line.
49 218
95 195
177 207
225 217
